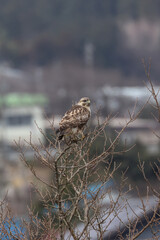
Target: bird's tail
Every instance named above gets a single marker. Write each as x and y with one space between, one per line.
60 134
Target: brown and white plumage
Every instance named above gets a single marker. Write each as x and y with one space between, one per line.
75 119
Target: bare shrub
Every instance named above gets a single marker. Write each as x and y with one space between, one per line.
78 202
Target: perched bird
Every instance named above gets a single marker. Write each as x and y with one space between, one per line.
74 121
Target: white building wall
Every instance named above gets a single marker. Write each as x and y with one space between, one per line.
12 131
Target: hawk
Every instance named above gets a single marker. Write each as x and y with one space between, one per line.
74 120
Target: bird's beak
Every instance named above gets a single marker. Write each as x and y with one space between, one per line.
88 103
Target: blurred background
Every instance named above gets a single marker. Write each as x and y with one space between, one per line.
66 50
53 52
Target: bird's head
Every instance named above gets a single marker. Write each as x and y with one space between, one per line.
85 102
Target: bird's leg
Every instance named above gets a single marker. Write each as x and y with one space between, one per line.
82 135
71 137
75 138
68 138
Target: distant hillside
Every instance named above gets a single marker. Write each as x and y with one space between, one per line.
42 31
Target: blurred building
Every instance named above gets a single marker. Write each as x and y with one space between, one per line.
140 130
143 131
22 118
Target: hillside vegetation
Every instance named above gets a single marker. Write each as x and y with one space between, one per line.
41 31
